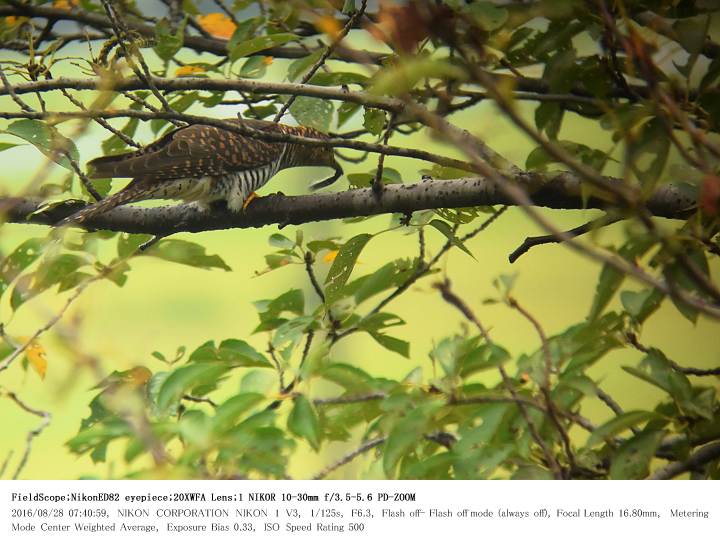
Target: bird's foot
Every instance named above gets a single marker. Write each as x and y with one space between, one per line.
249 199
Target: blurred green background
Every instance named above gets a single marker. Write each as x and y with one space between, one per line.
164 305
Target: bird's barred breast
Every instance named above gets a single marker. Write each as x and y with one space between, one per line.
234 187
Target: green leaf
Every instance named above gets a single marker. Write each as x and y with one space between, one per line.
254 67
303 421
260 43
343 266
617 425
187 253
539 159
229 412
349 377
233 352
346 111
338 79
632 460
349 7
374 120
245 30
270 309
298 67
20 259
281 241
641 304
291 332
446 230
648 151
481 358
406 435
487 15
58 270
168 43
392 343
610 278
7 145
114 145
45 138
405 75
313 112
691 34
184 379
390 275
548 118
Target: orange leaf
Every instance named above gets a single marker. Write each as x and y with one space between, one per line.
329 25
139 375
67 5
35 354
189 70
267 61
217 24
330 256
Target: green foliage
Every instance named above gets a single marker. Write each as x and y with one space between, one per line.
467 408
313 112
45 138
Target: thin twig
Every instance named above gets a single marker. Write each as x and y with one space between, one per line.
311 274
545 387
450 297
324 57
531 242
696 371
349 457
32 434
696 461
198 399
346 400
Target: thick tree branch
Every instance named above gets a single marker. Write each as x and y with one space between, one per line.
560 192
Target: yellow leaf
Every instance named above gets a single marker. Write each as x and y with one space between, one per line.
217 24
267 61
329 25
189 70
35 354
330 256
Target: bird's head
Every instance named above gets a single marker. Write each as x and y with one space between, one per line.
319 156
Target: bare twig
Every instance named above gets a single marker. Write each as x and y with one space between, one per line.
198 399
32 434
697 371
349 457
531 242
346 400
311 275
696 461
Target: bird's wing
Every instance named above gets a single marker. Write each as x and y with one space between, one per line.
193 151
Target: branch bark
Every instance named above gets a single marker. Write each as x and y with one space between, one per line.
208 84
562 191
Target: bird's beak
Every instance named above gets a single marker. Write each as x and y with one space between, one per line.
331 180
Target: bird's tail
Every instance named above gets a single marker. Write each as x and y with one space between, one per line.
133 192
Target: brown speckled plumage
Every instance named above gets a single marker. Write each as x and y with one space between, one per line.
204 163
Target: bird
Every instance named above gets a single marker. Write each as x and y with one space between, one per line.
205 164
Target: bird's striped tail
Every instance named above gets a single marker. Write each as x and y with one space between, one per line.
133 192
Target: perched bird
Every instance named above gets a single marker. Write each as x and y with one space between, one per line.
203 164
